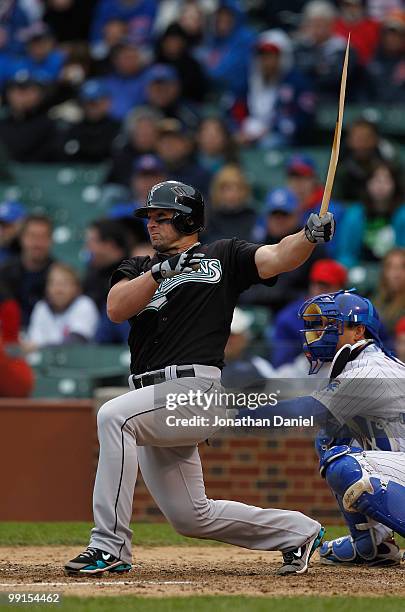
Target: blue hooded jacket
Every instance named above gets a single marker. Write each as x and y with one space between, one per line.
226 59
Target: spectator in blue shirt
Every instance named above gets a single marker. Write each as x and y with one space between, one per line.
139 14
226 52
13 19
108 332
163 93
303 180
42 58
125 84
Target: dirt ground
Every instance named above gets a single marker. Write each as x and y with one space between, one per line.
170 571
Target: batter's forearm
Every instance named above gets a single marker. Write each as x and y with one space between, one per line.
294 250
128 297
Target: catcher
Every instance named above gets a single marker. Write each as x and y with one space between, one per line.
362 413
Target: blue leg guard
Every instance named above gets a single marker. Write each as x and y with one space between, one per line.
383 501
359 547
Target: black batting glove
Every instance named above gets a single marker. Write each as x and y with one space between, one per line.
320 229
178 264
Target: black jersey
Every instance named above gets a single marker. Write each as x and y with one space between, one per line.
188 318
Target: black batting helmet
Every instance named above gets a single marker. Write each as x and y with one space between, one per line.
187 203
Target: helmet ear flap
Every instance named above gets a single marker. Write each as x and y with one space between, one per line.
184 223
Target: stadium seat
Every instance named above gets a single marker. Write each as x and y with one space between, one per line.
70 195
77 369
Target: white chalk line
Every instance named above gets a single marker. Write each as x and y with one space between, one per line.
92 582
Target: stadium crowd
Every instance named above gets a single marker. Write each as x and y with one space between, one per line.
180 89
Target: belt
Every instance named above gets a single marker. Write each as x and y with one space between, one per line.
159 376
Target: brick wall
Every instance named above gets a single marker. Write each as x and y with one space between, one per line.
280 473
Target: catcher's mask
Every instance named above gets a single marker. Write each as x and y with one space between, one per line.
324 317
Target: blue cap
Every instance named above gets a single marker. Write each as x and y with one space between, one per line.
162 72
281 200
23 77
148 163
93 90
121 211
11 212
303 165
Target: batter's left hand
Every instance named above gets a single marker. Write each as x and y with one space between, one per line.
320 229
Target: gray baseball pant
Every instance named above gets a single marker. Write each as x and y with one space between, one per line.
132 432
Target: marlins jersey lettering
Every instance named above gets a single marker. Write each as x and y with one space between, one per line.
188 319
368 397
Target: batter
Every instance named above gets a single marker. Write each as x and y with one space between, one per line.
180 305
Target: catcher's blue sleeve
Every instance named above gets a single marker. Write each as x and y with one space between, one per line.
305 406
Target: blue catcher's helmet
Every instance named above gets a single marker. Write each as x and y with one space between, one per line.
324 317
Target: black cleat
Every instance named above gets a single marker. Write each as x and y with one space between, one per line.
296 561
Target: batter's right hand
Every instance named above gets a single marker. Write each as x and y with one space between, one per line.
178 264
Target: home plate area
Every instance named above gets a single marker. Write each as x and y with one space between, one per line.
189 570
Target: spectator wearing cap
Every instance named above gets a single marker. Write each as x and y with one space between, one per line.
26 130
319 53
400 339
12 215
91 139
362 149
25 274
387 68
139 14
42 58
163 93
353 20
141 133
176 149
147 170
280 101
125 83
231 213
173 48
282 217
326 276
303 180
226 51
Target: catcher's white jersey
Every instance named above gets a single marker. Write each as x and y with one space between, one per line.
369 397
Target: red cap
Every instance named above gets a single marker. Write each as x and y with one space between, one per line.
400 327
328 271
267 47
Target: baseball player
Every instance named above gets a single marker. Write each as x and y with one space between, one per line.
179 304
362 411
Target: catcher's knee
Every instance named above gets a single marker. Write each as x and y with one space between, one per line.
345 475
380 499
